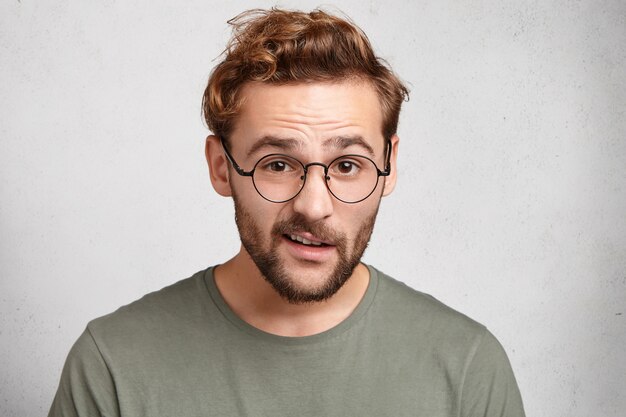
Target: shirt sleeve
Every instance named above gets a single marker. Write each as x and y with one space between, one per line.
87 387
489 386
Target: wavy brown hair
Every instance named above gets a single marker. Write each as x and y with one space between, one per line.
281 47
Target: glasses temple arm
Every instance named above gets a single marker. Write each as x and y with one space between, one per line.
387 170
235 165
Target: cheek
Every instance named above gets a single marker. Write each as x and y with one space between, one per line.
355 219
246 195
261 212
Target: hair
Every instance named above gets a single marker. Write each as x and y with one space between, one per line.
287 47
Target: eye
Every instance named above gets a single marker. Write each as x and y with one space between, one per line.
345 167
277 165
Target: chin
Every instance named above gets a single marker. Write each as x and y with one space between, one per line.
308 286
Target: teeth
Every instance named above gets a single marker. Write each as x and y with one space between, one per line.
304 241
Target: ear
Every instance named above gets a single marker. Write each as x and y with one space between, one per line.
218 166
390 180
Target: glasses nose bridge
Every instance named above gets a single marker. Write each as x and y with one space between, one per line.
310 164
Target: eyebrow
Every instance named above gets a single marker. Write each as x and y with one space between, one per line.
342 142
286 144
290 144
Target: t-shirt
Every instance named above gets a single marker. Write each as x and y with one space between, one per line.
182 351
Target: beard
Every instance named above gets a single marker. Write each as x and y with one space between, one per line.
272 266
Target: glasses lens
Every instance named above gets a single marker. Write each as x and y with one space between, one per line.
278 178
352 178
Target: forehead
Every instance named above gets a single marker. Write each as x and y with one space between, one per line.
309 113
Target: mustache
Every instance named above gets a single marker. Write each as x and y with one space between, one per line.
297 223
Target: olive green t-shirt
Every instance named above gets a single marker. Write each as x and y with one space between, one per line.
182 351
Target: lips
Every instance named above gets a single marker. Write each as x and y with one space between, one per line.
309 242
304 246
307 239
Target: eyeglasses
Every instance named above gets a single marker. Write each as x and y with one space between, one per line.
279 178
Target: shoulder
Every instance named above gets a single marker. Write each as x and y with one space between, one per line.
424 330
395 297
155 315
423 320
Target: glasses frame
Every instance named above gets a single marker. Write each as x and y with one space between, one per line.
244 173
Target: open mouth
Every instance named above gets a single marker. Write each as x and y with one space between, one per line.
306 242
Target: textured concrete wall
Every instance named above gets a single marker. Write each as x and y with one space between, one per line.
511 204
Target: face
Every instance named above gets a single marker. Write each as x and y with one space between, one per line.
306 248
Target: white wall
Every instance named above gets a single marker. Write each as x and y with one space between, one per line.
511 204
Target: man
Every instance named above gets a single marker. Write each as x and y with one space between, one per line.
304 120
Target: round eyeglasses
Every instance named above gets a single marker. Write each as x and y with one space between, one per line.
349 178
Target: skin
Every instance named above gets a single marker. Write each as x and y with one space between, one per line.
303 117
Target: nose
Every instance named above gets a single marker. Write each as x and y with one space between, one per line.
314 200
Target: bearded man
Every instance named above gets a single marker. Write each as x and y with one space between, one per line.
303 118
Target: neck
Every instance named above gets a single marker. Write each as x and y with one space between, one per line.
255 301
